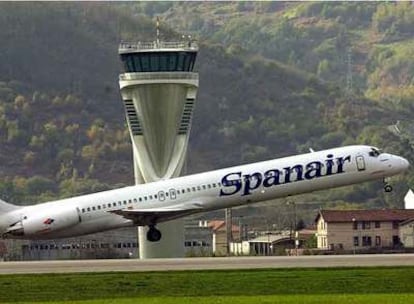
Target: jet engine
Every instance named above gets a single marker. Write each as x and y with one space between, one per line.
39 224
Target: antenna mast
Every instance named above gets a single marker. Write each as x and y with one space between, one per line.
158 31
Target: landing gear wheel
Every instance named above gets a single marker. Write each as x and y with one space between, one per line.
153 234
387 188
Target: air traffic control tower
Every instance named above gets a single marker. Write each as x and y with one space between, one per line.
159 89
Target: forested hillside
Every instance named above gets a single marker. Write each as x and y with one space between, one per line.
318 37
273 82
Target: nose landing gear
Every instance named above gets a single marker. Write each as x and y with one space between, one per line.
153 234
387 187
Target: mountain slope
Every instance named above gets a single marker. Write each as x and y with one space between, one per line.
62 127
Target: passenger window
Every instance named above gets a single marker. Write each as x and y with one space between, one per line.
214 185
155 196
182 190
140 199
145 198
135 200
209 186
198 188
130 201
194 189
104 206
204 187
83 210
120 203
188 190
150 197
93 208
99 207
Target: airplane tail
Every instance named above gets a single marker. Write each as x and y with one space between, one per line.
6 207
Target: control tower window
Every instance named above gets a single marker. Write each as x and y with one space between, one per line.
180 66
155 62
159 61
172 66
192 61
129 64
145 63
163 62
137 63
187 62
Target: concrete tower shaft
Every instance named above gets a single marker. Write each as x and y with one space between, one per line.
159 109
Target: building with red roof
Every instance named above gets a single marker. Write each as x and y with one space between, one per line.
360 229
218 228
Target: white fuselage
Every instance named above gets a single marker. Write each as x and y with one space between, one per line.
201 192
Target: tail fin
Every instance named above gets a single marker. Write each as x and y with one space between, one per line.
6 207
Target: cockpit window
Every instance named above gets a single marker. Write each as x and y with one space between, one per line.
374 152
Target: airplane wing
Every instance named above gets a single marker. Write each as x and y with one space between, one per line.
149 216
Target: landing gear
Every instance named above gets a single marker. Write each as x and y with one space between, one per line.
387 187
153 234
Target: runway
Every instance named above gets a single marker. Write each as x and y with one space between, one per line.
132 265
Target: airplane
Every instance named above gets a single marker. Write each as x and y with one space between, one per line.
161 201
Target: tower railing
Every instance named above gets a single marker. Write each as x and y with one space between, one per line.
159 76
131 46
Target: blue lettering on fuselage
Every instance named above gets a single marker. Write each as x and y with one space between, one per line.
236 182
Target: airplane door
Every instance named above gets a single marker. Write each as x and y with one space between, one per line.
173 194
161 196
360 162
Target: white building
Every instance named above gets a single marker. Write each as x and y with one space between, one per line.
409 200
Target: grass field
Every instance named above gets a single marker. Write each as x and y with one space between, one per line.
340 285
285 299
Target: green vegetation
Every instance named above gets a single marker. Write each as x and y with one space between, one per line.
57 144
285 299
315 36
273 284
272 83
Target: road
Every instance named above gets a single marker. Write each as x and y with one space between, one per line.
206 263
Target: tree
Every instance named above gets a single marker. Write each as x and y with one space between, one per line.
312 242
323 69
29 158
37 185
300 225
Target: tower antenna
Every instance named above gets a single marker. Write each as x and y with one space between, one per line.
158 31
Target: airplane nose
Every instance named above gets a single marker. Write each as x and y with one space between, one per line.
404 163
